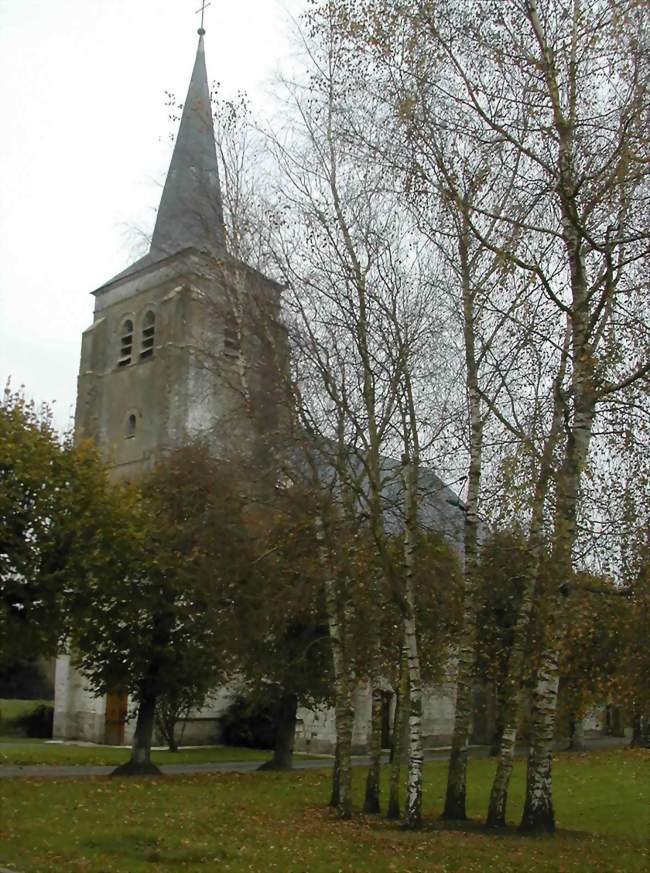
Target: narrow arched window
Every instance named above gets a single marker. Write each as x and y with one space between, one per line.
231 341
131 425
148 335
126 344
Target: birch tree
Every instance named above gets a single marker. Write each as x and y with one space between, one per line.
586 147
563 90
358 312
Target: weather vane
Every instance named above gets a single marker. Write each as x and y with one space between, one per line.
204 6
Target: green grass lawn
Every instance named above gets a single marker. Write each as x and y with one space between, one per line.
10 709
29 752
13 709
274 821
16 749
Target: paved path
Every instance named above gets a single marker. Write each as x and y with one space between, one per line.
40 771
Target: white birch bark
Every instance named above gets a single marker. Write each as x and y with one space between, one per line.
344 712
399 738
538 815
455 799
514 691
372 801
413 811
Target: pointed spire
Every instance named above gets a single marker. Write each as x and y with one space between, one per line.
191 208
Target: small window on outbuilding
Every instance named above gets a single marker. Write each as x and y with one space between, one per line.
131 425
126 344
148 335
231 341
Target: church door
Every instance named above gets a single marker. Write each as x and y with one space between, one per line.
116 712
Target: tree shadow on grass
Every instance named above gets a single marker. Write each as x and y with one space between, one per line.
141 846
475 828
510 835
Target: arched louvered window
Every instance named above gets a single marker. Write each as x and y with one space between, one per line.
126 344
148 335
231 341
131 426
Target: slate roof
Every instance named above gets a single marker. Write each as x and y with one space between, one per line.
440 508
190 214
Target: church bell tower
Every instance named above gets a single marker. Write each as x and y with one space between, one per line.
182 344
169 345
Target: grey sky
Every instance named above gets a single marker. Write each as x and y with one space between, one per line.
84 149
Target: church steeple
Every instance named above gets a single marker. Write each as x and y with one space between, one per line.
191 209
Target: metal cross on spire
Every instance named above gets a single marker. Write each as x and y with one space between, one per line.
204 6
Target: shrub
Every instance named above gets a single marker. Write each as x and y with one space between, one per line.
249 723
37 723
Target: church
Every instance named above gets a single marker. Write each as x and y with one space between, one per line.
160 331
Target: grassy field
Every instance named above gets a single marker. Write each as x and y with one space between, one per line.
16 749
12 709
270 821
32 752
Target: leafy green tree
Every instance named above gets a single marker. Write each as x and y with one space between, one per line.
633 684
281 641
503 568
59 525
593 653
158 629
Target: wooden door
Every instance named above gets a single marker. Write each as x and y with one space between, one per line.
115 721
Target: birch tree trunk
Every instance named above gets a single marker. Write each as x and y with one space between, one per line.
344 712
496 816
372 802
344 725
538 816
399 738
413 812
455 799
513 692
336 778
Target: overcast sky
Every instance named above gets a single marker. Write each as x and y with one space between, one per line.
85 146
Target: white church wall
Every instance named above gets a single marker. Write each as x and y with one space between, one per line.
315 730
203 726
130 288
438 706
78 713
